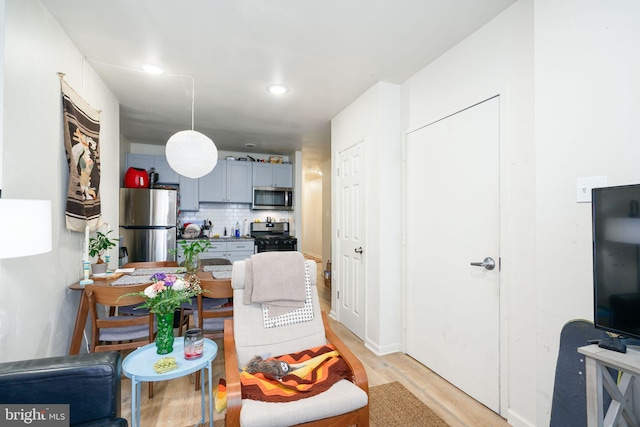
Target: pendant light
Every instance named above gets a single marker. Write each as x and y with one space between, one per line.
191 153
188 152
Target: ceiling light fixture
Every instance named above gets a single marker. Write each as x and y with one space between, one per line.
277 89
152 69
249 144
191 153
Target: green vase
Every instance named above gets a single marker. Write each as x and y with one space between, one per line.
164 335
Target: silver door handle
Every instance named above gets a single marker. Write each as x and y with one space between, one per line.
358 250
487 263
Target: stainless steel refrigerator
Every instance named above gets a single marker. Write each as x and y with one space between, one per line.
148 223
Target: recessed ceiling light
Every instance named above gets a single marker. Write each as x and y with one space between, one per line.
249 145
152 69
277 89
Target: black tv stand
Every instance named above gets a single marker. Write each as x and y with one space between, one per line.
614 344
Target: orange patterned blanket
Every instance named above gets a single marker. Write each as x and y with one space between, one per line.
315 371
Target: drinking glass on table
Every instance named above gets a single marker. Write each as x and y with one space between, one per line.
193 344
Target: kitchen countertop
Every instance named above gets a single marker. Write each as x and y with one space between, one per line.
218 238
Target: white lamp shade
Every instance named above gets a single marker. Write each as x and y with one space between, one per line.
25 227
191 153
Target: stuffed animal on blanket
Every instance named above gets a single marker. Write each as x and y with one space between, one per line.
275 368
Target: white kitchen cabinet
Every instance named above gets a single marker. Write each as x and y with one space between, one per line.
272 175
239 181
229 181
189 194
140 161
238 250
231 249
166 175
218 249
213 186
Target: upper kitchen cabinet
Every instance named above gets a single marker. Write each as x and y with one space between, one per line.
239 188
213 186
230 181
189 197
166 175
140 161
272 175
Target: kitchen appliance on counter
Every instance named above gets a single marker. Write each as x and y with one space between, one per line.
136 178
148 223
273 236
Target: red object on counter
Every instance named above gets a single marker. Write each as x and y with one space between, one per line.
136 178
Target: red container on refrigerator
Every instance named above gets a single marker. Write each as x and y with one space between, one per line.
136 178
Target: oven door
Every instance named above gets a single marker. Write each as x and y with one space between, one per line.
264 245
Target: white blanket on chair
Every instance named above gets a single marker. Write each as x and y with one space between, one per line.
276 280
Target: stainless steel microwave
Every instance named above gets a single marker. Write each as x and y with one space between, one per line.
273 198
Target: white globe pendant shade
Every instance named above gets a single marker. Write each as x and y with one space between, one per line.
191 153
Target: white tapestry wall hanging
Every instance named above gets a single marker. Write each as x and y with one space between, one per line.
82 145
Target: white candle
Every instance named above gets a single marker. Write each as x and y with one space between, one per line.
86 243
108 230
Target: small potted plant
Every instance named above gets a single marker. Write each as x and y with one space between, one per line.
97 247
191 250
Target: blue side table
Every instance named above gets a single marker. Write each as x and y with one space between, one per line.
138 366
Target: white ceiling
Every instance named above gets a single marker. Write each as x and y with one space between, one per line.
327 52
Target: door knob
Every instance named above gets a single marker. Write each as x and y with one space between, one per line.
358 250
487 263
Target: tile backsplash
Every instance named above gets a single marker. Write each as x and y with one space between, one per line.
228 214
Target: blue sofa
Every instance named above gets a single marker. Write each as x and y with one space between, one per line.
89 383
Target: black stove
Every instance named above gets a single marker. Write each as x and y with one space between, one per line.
273 236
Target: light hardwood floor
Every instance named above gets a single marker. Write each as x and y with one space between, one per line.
177 404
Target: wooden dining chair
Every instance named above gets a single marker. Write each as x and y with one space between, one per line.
187 309
214 261
214 305
150 264
183 315
116 333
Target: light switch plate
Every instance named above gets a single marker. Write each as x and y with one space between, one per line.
585 185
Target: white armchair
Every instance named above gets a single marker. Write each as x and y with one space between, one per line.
345 403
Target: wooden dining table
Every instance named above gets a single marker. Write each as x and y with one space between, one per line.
223 287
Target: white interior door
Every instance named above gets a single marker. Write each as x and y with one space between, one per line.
452 213
351 240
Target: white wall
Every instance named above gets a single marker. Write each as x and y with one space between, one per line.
37 310
312 215
498 59
325 167
374 118
1 81
587 56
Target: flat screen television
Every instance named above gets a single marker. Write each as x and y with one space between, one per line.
616 262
